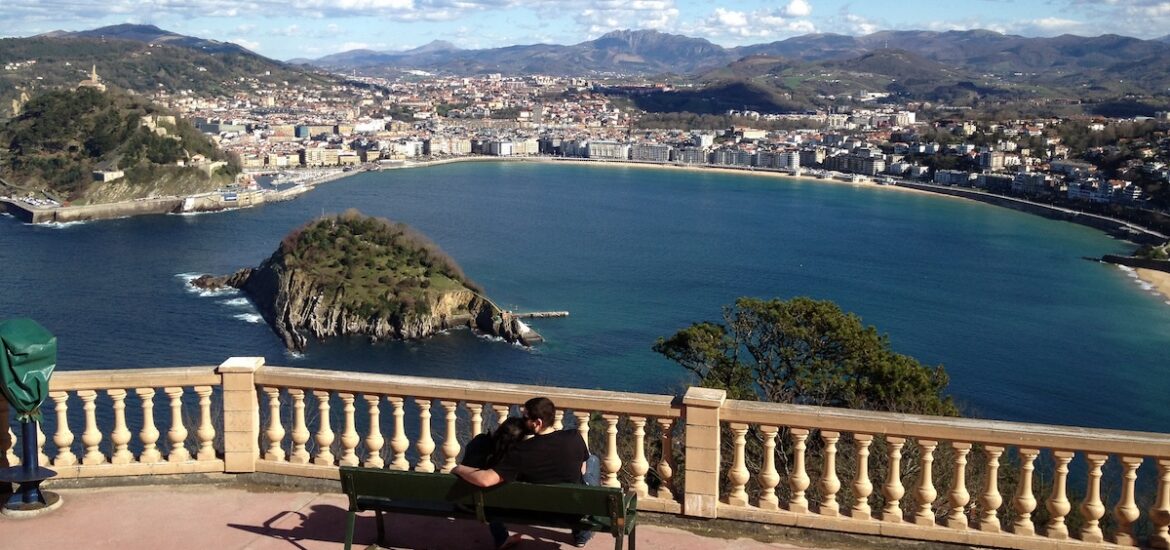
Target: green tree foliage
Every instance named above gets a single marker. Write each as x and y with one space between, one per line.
808 352
63 136
374 266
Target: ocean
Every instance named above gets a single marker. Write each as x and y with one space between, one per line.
1026 326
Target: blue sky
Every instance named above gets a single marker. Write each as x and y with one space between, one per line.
285 29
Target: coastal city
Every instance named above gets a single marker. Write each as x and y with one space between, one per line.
276 129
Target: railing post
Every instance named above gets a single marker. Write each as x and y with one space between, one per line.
701 487
241 413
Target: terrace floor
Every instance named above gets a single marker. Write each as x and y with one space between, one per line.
178 517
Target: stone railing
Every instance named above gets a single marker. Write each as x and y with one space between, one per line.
959 480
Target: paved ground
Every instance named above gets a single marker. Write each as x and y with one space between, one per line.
227 518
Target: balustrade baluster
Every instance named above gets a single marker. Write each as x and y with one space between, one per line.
830 483
476 412
149 433
666 459
398 443
300 432
451 438
893 489
738 474
583 425
926 491
769 478
612 463
1058 505
639 466
1127 511
426 444
374 440
862 486
1092 508
63 439
558 420
501 413
275 432
324 430
120 437
206 431
1025 501
177 435
349 435
992 500
1160 509
960 497
91 437
42 458
799 481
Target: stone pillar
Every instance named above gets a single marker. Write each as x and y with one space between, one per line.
701 490
241 413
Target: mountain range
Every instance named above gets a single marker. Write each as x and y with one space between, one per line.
651 52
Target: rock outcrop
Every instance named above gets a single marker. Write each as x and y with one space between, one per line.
299 303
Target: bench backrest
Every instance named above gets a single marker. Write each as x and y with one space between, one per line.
419 486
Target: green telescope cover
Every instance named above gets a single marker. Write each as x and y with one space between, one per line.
27 361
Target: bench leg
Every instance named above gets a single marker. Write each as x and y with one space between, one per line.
617 542
633 539
381 529
349 529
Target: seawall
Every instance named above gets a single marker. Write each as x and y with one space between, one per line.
1114 227
1133 261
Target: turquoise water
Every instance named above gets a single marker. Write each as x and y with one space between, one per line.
1027 328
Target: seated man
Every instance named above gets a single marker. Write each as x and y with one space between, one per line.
550 456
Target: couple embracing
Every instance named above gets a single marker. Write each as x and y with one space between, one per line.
529 449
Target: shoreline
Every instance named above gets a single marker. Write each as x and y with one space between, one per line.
1158 281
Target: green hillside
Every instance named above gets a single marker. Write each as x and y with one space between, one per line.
61 138
62 62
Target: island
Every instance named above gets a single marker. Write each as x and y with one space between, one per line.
356 275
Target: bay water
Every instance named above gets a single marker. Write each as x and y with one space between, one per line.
1026 326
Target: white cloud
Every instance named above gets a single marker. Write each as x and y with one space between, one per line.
798 8
732 27
250 44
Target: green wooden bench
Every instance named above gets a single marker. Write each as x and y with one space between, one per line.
573 506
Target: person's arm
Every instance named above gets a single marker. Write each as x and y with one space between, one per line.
476 476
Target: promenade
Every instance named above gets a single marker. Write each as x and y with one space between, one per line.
228 517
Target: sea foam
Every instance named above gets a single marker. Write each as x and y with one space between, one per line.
250 317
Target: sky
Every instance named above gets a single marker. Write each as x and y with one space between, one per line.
285 29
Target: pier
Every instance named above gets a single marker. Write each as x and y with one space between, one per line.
540 314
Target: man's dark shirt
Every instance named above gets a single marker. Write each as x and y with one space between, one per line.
550 458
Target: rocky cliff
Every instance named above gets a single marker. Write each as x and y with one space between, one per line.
399 290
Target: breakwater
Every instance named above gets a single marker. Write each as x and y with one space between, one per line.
1114 227
208 202
1134 261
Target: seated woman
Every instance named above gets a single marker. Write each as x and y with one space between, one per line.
485 451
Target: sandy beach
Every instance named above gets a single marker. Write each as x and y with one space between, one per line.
1159 280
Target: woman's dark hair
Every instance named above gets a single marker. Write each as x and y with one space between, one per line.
511 432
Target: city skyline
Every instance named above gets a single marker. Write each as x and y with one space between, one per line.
314 28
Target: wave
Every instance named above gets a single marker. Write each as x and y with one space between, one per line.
59 225
203 292
1128 270
237 302
294 354
249 317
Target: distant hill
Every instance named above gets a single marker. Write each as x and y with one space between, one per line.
139 58
62 137
151 34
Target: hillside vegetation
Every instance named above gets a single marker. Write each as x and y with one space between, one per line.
62 137
63 61
372 266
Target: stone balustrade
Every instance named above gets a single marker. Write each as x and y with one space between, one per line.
131 442
904 500
966 481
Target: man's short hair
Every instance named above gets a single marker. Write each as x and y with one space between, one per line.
540 408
